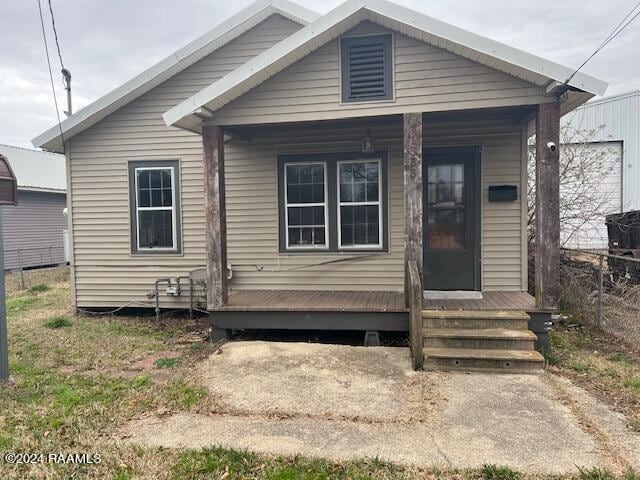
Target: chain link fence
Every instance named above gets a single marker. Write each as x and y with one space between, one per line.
603 290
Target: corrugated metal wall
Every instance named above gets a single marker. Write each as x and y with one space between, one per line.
620 118
33 230
616 123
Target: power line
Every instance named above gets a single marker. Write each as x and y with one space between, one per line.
616 31
53 89
55 34
66 74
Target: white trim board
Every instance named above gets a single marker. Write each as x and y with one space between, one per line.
208 43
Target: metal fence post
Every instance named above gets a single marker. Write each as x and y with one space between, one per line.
21 270
600 290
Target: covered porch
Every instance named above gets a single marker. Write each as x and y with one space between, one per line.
253 275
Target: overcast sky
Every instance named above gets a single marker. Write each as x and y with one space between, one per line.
105 43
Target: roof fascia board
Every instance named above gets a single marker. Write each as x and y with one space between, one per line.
219 36
252 73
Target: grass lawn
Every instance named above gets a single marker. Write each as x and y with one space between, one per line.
73 386
601 364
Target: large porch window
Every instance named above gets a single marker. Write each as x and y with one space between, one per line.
333 202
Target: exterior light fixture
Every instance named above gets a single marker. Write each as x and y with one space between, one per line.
367 143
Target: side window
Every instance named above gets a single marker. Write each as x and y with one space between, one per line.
154 200
366 65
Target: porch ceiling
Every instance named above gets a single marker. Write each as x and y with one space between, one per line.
520 115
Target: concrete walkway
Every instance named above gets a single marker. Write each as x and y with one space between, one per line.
342 402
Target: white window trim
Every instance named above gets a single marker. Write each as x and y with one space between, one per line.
339 204
324 204
174 232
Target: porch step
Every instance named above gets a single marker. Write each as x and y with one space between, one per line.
476 359
475 319
479 338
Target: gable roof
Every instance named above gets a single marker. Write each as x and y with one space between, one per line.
36 170
173 64
501 57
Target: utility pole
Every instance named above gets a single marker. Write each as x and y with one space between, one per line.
66 76
8 196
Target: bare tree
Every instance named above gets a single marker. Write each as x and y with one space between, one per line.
585 195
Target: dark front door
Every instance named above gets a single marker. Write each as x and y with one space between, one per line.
451 218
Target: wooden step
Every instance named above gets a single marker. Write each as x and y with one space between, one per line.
488 338
476 359
476 319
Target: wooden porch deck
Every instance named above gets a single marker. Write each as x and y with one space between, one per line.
359 301
490 301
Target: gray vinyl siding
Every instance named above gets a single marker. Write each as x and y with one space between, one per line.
106 274
252 207
33 230
426 79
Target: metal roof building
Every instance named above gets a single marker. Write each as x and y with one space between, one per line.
36 170
615 121
34 230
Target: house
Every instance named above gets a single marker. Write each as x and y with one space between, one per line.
34 229
323 170
609 130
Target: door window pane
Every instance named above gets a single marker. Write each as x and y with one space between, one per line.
445 207
446 229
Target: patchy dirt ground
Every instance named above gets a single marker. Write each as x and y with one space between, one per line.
332 381
344 402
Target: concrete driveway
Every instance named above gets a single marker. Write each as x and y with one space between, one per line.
344 402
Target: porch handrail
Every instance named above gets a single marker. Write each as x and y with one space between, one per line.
414 283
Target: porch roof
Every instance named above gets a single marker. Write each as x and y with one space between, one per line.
189 114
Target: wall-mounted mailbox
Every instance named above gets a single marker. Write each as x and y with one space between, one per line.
8 184
503 193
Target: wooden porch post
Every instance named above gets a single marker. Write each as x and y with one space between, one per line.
412 193
215 216
547 241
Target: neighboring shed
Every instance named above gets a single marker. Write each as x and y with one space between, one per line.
616 123
34 229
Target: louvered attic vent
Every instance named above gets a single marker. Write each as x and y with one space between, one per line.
366 68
